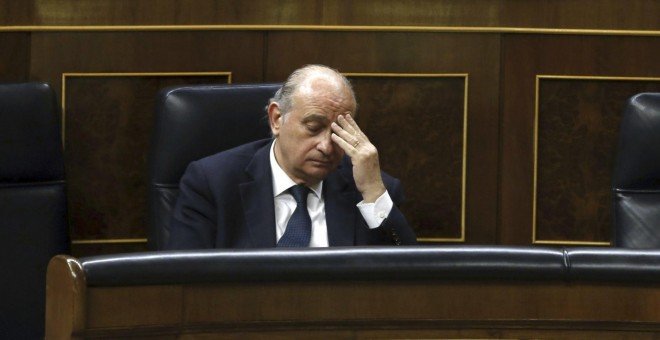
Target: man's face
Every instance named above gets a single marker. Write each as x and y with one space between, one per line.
304 148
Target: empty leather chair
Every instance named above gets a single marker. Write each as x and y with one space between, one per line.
636 180
33 220
193 122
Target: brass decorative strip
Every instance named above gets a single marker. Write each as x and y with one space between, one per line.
539 77
111 241
144 74
465 76
128 74
406 75
573 243
536 148
441 240
331 28
609 78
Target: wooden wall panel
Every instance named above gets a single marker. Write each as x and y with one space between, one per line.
108 122
296 12
14 57
476 55
525 57
16 12
189 51
578 125
593 14
428 156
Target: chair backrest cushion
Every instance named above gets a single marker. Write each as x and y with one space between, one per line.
30 144
636 180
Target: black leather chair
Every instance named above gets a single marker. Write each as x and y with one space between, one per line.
193 122
33 222
636 181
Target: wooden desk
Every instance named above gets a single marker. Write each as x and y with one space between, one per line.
346 308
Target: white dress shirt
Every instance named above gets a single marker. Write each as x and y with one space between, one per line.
285 205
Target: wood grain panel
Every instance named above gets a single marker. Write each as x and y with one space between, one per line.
16 12
108 122
594 14
14 57
389 12
356 303
427 157
146 306
57 53
578 125
525 57
370 52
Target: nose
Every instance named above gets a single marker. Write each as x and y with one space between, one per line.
326 145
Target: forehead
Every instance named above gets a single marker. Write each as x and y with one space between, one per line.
323 97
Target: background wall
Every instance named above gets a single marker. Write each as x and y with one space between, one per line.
500 117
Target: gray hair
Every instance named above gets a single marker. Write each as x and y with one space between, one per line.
284 96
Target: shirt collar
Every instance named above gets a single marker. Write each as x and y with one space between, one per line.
281 181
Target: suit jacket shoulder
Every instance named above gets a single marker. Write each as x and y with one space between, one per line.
209 210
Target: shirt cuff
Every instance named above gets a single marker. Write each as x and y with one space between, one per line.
375 213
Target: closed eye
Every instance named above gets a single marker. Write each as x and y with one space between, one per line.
315 123
314 127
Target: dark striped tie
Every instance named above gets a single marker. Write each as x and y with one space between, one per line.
299 229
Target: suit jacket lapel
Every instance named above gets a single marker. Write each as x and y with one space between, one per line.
340 207
257 199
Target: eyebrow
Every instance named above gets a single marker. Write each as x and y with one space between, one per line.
315 117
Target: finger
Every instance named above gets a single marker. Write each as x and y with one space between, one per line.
348 148
345 135
353 123
357 132
343 122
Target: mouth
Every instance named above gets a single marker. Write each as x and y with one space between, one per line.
321 163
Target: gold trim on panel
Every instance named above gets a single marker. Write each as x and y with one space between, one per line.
465 76
330 28
127 74
610 78
536 147
111 241
536 135
405 75
573 243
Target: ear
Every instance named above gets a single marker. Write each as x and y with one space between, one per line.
274 118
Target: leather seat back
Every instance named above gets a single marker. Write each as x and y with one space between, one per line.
636 181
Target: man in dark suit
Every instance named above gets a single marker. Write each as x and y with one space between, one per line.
316 183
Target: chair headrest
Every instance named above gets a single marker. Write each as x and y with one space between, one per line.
30 137
197 121
638 152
